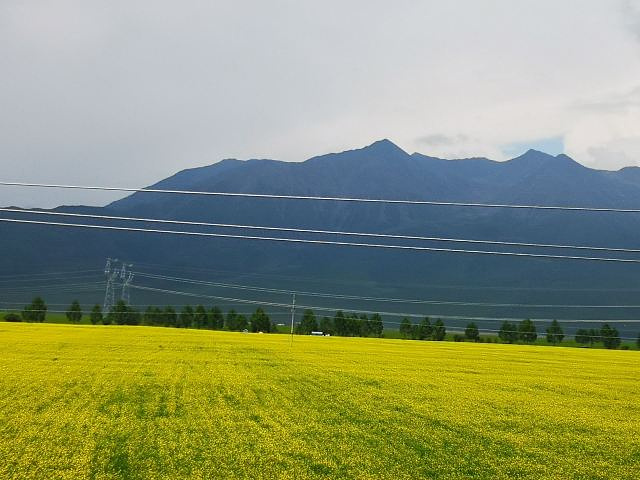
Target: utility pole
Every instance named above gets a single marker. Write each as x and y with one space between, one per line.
293 314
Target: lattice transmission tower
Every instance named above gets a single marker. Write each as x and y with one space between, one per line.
126 275
118 274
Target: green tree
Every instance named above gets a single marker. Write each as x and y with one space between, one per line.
200 317
260 321
36 312
340 324
170 317
406 328
119 313
185 319
425 329
74 312
231 322
235 321
326 326
376 325
415 331
353 325
508 332
472 333
439 330
554 333
587 337
147 316
122 314
133 316
216 319
242 322
12 317
158 317
106 318
153 316
583 336
365 326
308 323
527 331
610 336
638 341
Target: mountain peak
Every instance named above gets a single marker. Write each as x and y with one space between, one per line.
532 153
385 146
535 160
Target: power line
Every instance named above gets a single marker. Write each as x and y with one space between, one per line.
351 311
136 305
49 279
364 298
360 311
73 291
322 242
368 312
213 297
50 287
321 232
308 279
321 198
46 274
243 274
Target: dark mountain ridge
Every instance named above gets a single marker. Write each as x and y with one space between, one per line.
381 170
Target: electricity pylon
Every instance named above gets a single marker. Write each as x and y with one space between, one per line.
127 277
111 272
117 273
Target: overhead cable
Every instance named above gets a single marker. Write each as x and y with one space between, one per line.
360 311
322 242
322 198
321 232
366 298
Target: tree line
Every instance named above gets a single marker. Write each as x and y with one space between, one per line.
341 324
526 332
123 314
188 317
511 332
423 330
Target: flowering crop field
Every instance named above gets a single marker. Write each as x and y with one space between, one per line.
142 402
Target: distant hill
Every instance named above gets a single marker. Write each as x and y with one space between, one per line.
380 170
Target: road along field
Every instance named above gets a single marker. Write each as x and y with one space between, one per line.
143 402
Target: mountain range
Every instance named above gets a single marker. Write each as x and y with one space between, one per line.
381 170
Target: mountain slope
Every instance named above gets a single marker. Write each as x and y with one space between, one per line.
381 170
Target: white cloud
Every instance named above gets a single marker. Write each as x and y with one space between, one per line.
129 92
631 10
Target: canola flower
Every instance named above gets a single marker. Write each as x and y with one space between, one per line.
154 403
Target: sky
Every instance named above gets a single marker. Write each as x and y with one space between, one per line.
126 93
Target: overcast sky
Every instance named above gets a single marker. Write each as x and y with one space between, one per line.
126 93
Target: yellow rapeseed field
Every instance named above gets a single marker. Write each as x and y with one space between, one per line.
155 403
